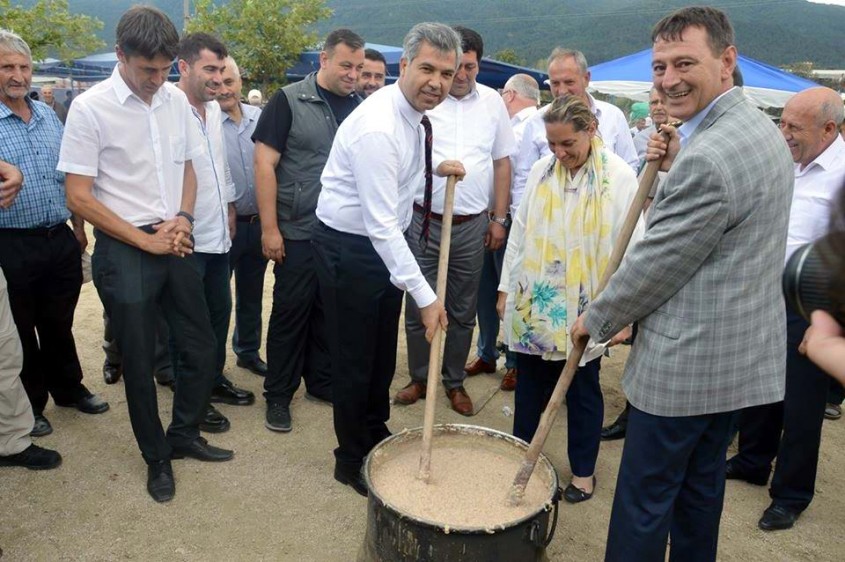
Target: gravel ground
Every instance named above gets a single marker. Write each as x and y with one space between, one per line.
277 499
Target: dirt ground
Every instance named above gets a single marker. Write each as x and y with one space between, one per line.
277 499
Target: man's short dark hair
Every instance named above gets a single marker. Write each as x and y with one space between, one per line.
145 31
737 76
720 32
375 56
345 36
192 44
470 41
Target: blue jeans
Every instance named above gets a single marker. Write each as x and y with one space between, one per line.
488 319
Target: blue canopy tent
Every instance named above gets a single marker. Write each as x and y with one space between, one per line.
92 68
630 77
95 68
491 72
309 61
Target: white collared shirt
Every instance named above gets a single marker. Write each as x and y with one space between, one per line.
518 123
613 130
135 152
814 196
475 130
215 189
374 167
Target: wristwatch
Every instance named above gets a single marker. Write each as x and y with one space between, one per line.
505 221
188 216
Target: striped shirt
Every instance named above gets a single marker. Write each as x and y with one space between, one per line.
34 148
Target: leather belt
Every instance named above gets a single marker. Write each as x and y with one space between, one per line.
46 232
456 219
248 218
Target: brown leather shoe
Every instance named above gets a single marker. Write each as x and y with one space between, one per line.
478 366
461 402
412 392
509 381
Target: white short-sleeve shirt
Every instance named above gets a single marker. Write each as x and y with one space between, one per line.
135 152
215 189
474 130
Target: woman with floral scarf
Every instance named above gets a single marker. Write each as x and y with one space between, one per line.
560 242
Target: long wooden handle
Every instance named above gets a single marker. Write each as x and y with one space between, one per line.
434 357
517 490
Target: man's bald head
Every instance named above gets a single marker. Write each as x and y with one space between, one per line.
520 91
810 123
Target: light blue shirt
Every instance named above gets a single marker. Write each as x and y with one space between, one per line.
34 149
688 128
239 151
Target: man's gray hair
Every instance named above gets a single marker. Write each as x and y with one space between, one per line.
230 62
440 36
11 42
832 111
524 85
561 53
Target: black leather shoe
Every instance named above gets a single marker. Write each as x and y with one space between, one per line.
160 482
614 431
756 477
166 379
619 427
214 422
91 404
112 372
41 427
778 518
227 393
576 495
33 458
256 366
200 449
354 480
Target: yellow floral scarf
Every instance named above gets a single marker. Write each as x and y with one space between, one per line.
563 260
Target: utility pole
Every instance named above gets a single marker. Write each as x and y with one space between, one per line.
186 14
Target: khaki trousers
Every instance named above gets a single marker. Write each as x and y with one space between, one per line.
16 417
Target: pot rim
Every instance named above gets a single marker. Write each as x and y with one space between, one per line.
448 529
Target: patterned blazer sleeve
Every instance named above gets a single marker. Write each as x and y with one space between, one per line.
685 226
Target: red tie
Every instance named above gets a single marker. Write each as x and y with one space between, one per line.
429 182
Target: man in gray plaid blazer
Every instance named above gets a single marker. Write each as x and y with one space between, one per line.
704 284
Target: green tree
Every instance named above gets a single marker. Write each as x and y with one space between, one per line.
51 30
508 56
264 36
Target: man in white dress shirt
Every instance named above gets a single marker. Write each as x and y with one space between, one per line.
521 95
127 152
569 74
473 127
202 58
362 259
791 430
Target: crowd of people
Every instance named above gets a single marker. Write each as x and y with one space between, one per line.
340 180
